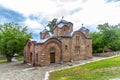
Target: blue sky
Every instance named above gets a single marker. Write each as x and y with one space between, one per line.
8 15
36 14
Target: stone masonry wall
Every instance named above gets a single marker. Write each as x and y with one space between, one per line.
66 49
44 52
80 46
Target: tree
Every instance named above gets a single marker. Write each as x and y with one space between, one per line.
12 39
110 36
106 37
97 45
115 44
51 25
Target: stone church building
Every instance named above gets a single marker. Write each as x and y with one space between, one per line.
63 46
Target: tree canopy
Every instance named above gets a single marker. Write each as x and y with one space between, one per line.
106 37
51 25
12 39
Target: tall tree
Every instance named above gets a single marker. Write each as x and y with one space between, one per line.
115 44
51 25
97 45
106 37
12 39
109 34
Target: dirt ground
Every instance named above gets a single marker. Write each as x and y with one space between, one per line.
16 70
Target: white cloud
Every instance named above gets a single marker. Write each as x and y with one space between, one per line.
32 23
34 26
96 12
89 12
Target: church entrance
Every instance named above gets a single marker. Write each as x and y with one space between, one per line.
30 57
52 55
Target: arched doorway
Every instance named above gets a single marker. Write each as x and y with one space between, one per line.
52 55
30 57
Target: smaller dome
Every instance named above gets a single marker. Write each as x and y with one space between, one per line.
63 21
83 28
61 25
45 31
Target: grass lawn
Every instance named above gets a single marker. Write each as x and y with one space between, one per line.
3 60
20 58
99 70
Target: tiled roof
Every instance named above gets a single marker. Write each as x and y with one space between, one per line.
45 30
83 28
39 41
42 40
61 23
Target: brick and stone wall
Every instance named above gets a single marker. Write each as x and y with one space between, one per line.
65 30
66 47
44 35
78 46
44 52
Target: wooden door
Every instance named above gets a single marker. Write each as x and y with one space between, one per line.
52 57
30 57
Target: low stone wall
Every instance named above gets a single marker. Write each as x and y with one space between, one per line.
107 54
2 57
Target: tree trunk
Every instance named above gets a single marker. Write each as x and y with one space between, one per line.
9 58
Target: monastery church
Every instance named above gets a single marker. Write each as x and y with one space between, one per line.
63 46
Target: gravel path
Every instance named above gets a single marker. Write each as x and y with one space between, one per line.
19 71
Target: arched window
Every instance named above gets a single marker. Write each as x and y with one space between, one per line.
30 57
66 47
77 50
77 39
37 57
64 31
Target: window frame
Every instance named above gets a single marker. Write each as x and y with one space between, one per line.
77 50
77 39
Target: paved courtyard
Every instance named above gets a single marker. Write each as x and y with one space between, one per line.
19 71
